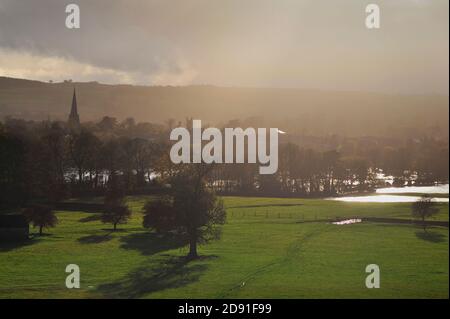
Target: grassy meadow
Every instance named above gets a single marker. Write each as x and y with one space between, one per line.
270 248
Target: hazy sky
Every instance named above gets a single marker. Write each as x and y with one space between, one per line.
320 44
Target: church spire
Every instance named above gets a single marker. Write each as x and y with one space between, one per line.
74 119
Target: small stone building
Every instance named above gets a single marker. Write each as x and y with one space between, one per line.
13 227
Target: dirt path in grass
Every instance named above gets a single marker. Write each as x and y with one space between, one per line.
292 251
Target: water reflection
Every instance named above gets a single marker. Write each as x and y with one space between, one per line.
438 189
384 199
347 222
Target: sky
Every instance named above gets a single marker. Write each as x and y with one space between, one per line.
311 44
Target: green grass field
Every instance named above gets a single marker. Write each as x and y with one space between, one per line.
270 248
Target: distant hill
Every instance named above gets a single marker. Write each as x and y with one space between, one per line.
303 111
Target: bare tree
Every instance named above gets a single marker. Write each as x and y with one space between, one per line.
116 211
191 209
424 208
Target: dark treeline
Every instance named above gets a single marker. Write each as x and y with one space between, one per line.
49 161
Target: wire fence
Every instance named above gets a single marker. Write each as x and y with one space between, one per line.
270 214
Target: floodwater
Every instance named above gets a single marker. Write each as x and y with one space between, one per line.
384 199
438 189
347 222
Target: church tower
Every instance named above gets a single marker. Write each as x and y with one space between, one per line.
74 119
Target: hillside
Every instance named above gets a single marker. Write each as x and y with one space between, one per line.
303 111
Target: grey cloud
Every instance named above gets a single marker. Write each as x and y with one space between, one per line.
105 39
251 42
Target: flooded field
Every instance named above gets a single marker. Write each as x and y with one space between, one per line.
438 189
383 195
384 199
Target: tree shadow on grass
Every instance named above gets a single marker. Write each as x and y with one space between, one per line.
12 245
430 236
95 239
165 273
151 243
117 230
36 234
91 218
